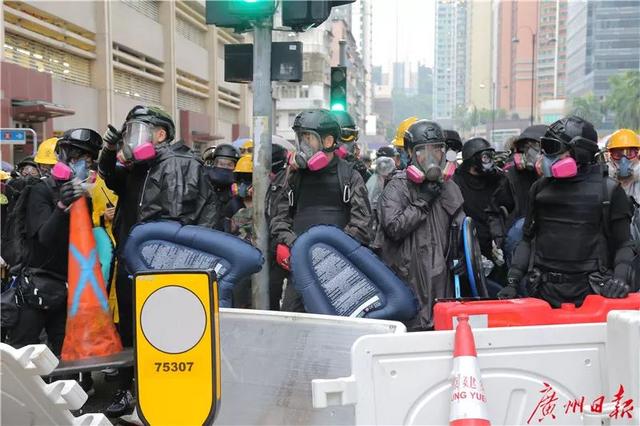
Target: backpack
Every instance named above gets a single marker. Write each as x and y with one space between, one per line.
14 235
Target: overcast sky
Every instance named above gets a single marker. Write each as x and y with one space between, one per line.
413 36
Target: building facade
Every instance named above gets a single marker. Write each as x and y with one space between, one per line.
551 55
480 44
603 39
98 59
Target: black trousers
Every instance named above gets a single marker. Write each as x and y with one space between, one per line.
292 301
124 294
276 281
32 321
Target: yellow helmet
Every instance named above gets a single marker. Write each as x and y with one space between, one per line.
247 147
244 165
46 152
4 175
623 138
404 125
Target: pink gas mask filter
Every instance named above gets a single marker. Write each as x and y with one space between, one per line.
415 175
565 168
342 152
144 152
318 161
61 171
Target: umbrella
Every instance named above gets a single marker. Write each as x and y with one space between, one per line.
240 141
7 167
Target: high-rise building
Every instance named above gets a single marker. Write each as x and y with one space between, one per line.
603 39
362 29
376 75
480 43
425 80
451 58
399 82
99 59
551 53
516 39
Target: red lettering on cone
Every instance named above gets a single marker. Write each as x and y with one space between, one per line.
468 401
90 330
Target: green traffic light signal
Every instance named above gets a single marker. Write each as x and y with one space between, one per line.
338 89
252 9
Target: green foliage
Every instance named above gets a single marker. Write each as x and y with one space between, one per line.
407 106
624 99
589 108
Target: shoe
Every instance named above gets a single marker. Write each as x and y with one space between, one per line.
110 374
86 383
121 404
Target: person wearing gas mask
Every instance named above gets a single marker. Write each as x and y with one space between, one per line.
219 166
478 178
453 140
348 148
624 165
398 142
47 239
153 182
385 165
417 209
576 231
316 188
510 201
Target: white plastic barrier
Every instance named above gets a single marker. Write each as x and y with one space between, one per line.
28 400
405 379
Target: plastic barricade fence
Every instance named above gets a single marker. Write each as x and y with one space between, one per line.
529 311
169 245
336 275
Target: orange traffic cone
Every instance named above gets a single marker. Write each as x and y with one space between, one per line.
90 330
468 400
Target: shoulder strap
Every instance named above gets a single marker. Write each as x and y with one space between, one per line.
345 173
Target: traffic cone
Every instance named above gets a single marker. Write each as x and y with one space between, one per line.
468 399
90 330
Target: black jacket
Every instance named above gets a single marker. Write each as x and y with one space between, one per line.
172 186
510 201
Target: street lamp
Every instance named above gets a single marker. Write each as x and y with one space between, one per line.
533 63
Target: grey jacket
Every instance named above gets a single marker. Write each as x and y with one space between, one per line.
413 240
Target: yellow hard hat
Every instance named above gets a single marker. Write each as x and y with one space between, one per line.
248 144
623 138
4 175
404 125
244 165
46 152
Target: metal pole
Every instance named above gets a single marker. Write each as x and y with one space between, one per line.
262 113
343 53
533 68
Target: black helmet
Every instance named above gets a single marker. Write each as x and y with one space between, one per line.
386 151
155 117
207 155
573 134
83 139
423 132
531 133
278 158
474 146
320 121
348 128
226 150
453 140
26 161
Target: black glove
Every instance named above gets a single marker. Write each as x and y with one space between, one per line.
614 288
112 136
511 290
69 192
429 191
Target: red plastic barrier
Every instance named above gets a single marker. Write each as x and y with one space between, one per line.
529 311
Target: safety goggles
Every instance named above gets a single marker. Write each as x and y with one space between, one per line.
245 151
224 163
552 146
349 135
487 156
618 153
137 133
66 153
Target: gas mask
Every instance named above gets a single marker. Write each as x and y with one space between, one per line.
385 166
484 162
560 168
451 165
311 154
242 189
526 160
220 176
137 142
427 163
625 162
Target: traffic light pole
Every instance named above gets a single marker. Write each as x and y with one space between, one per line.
262 114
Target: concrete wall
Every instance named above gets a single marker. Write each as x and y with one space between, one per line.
192 58
479 74
80 13
136 31
84 101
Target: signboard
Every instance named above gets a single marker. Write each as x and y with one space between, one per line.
13 136
177 351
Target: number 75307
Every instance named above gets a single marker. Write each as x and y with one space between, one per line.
173 367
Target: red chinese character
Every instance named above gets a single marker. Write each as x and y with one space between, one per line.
546 404
627 407
473 383
596 405
576 406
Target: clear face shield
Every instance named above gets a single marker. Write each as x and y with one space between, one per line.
431 159
310 154
385 166
138 142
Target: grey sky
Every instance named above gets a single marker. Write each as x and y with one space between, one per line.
415 31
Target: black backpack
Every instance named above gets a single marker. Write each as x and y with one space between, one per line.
14 235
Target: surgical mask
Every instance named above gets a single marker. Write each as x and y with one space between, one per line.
450 166
220 176
138 142
428 162
309 156
526 160
560 168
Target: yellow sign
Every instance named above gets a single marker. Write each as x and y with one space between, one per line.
177 352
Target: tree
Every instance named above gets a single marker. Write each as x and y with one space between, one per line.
589 108
624 99
405 106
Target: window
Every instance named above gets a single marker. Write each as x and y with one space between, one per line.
189 102
304 91
133 86
292 118
38 56
148 8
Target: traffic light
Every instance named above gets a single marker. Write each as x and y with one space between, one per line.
302 14
237 14
338 88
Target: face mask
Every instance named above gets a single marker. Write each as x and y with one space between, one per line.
80 170
243 189
625 167
559 168
484 162
308 156
220 176
526 160
342 152
429 160
138 136
61 171
385 166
